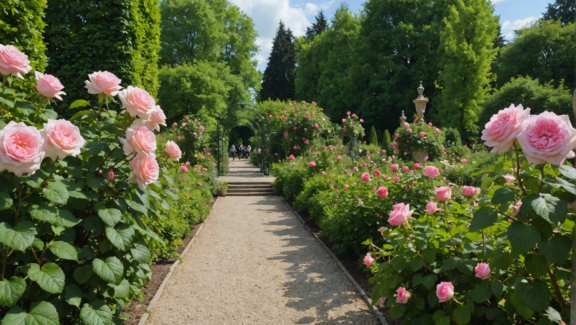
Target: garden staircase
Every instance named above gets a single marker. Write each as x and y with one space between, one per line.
249 189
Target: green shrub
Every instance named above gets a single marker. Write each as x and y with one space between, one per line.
452 137
386 141
373 136
408 140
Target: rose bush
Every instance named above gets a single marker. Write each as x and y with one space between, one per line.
418 136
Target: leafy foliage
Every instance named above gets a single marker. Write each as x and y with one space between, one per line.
409 139
563 10
278 78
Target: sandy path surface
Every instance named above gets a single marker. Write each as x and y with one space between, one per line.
255 263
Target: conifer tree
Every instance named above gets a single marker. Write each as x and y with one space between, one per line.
563 10
278 79
373 136
317 28
386 141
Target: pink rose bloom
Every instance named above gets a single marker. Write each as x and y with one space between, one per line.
482 271
382 192
271 116
208 154
174 124
49 86
443 193
339 158
137 102
306 141
377 173
291 157
145 171
422 134
416 165
430 171
103 82
199 184
397 135
111 176
174 152
444 291
394 168
13 62
365 177
405 168
61 139
317 126
345 186
294 128
183 124
504 127
403 295
180 178
179 138
184 169
312 164
343 120
431 207
139 139
464 160
187 118
348 113
547 138
478 191
157 118
469 191
395 178
285 134
516 208
201 128
509 178
21 148
345 172
400 214
361 121
363 164
355 169
410 130
187 164
368 260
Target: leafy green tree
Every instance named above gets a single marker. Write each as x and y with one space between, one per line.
544 51
278 79
563 10
373 136
317 28
386 141
467 51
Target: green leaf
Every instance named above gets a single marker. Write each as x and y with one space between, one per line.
20 237
110 216
137 207
483 218
73 295
556 250
536 265
11 290
503 195
66 219
567 171
450 263
553 315
6 102
397 311
429 281
42 313
5 201
111 270
122 290
500 260
535 296
79 103
43 212
523 237
56 192
64 250
115 238
141 253
416 263
482 292
50 278
96 314
497 288
127 233
83 273
461 315
486 183
80 114
550 208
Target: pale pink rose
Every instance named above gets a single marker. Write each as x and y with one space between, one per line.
157 118
478 191
13 62
139 139
516 208
403 295
504 127
145 170
174 151
469 191
482 271
431 207
547 138
103 82
183 124
430 171
61 139
400 214
509 178
49 86
312 164
355 169
137 102
365 177
21 148
443 193
444 291
382 192
368 260
394 168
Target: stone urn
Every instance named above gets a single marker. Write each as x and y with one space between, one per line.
419 155
223 190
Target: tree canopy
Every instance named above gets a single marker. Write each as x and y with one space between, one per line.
563 10
317 28
278 79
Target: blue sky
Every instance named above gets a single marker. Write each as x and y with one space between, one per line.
299 14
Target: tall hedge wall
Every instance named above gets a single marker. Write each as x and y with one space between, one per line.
120 36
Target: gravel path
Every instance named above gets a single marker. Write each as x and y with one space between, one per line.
255 263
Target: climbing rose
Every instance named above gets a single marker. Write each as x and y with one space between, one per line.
49 86
509 178
139 139
547 138
103 82
445 291
400 214
145 170
443 193
174 124
394 168
61 139
312 164
137 102
504 127
482 271
13 62
21 148
365 177
431 207
430 171
382 192
403 295
469 191
368 260
157 118
174 152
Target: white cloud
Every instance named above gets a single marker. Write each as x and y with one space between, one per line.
496 1
508 27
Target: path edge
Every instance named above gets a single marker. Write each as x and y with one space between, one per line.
365 297
154 300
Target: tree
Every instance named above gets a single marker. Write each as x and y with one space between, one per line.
373 136
544 51
563 10
317 28
278 79
467 51
386 141
500 41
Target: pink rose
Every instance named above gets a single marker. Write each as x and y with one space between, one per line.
174 152
306 141
394 168
201 128
183 124
430 171
444 291
174 124
382 192
443 193
139 139
355 169
365 177
291 157
317 126
21 148
13 62
405 168
464 160
111 176
431 207
469 191
345 186
103 82
504 127
400 214
183 169
137 102
547 138
339 158
363 164
49 86
482 271
187 164
403 295
478 191
368 260
179 138
395 178
509 178
61 139
377 173
145 171
285 134
157 118
312 164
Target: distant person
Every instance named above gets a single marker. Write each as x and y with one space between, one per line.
233 152
248 151
240 149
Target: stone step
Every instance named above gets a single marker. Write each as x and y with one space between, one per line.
249 186
253 190
250 194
